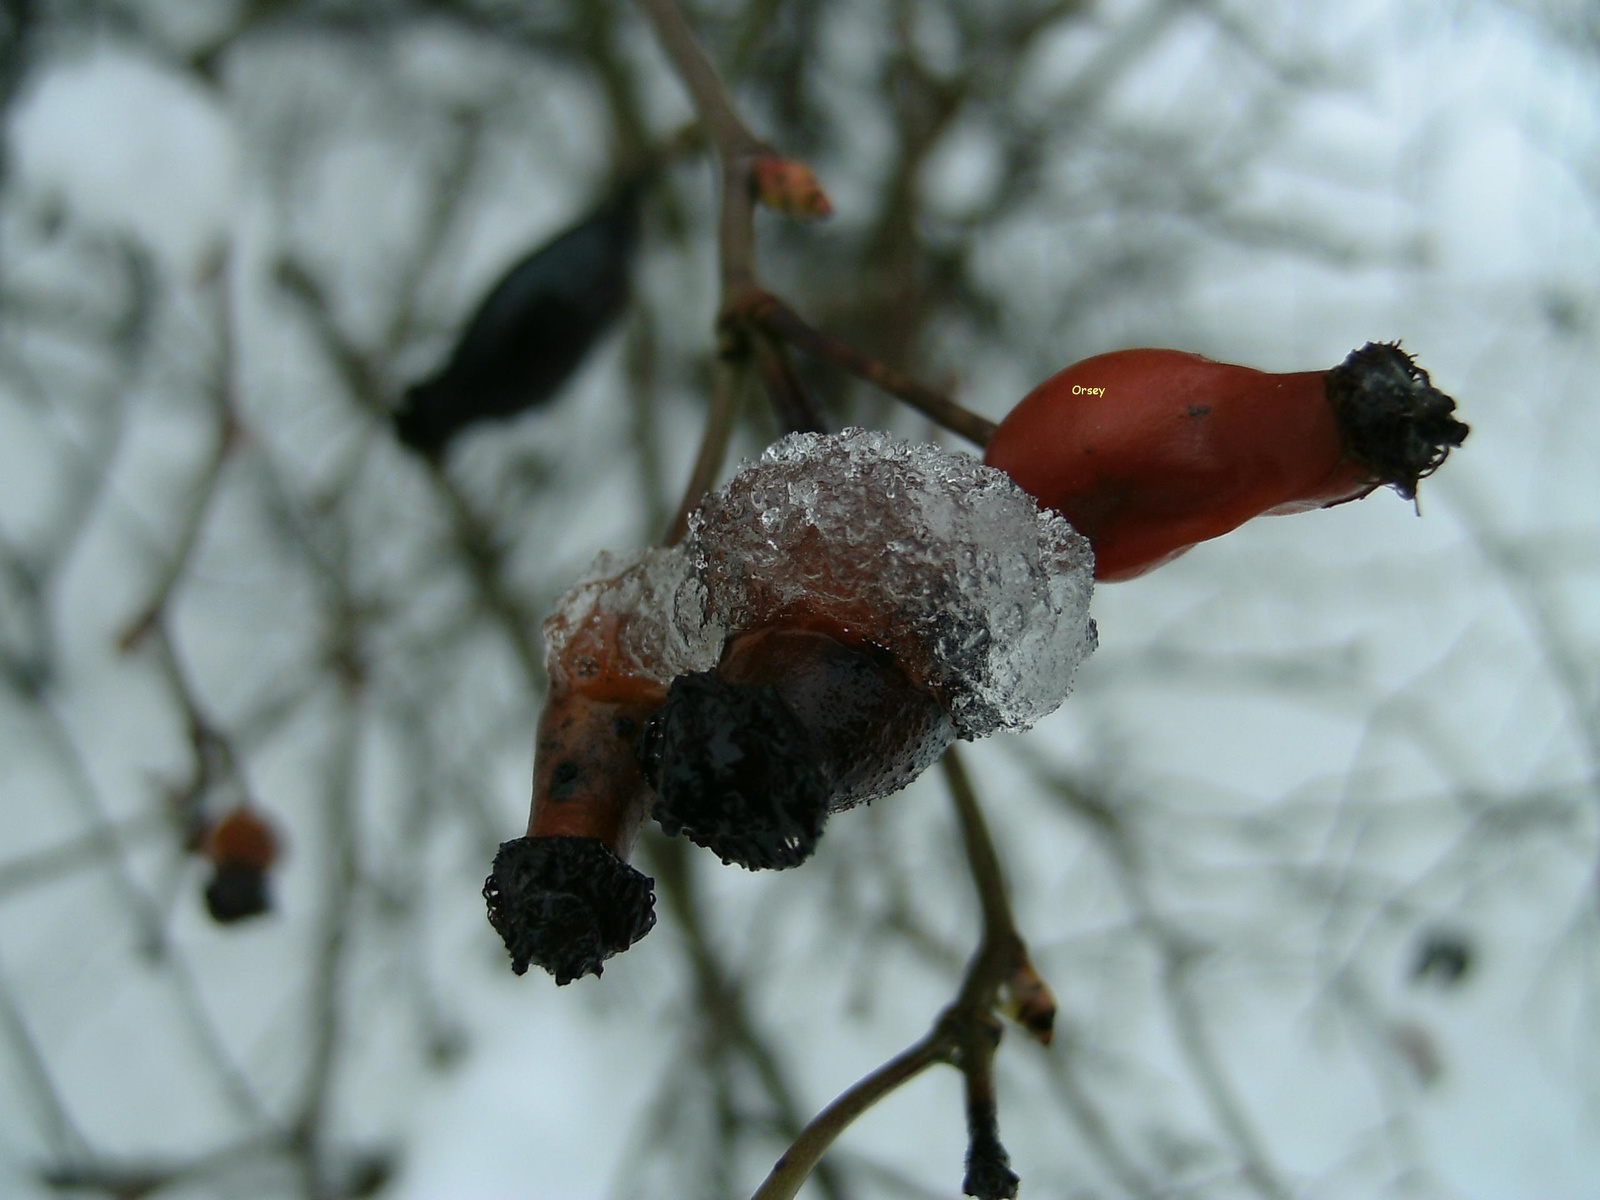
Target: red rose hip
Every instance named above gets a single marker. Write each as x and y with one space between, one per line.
1148 452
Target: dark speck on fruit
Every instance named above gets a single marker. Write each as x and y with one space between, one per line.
564 780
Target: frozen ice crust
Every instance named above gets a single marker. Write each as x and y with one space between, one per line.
982 597
639 617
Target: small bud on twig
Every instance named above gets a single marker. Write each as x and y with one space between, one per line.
789 187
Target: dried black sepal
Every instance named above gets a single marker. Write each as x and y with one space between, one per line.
532 330
735 771
1391 418
989 1175
567 904
237 892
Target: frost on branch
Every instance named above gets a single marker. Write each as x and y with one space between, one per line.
946 563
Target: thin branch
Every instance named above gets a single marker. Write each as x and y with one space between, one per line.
1178 953
721 999
792 1169
982 860
1008 966
722 120
448 187
474 536
328 1017
791 402
146 916
1096 1130
736 146
221 393
989 1174
720 419
966 1032
60 1129
773 315
89 849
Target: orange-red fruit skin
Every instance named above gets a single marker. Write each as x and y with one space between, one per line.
243 838
1147 452
586 782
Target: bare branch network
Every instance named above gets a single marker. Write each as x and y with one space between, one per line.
391 317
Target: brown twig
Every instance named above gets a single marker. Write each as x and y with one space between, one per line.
805 1153
966 1033
736 147
724 411
791 402
227 439
722 1000
989 1174
767 312
1008 967
711 100
1179 954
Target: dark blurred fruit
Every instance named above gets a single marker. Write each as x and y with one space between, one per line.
237 892
532 330
1443 957
242 848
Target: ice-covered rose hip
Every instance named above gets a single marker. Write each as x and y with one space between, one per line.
842 609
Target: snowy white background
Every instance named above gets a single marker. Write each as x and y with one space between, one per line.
1322 736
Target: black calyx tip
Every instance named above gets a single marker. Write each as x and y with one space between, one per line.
989 1174
237 892
734 771
566 903
1391 419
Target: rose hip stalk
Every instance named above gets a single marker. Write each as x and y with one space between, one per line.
1148 452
